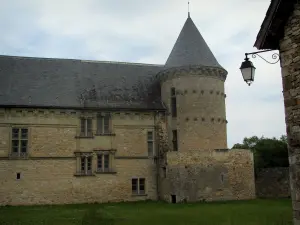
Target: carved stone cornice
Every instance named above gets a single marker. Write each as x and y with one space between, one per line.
175 72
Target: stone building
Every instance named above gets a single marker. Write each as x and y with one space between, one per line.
74 131
280 30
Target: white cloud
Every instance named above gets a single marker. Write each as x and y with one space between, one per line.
109 30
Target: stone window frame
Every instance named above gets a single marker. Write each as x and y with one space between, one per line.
103 124
151 143
19 153
136 181
82 161
102 154
173 102
85 129
175 140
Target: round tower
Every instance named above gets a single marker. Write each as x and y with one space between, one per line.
192 88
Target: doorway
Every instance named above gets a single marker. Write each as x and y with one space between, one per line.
173 198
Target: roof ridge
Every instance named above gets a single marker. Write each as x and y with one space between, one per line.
83 60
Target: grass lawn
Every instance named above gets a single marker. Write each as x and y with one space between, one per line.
254 212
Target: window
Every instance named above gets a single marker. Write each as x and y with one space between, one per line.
19 145
103 124
174 140
86 127
150 142
86 165
104 162
164 172
138 186
222 178
173 103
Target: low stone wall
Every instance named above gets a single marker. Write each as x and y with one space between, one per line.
208 176
273 183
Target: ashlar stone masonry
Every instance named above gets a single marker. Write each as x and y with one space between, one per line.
76 131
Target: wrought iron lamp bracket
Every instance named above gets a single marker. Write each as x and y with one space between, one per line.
275 56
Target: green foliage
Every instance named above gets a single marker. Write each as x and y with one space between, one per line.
268 152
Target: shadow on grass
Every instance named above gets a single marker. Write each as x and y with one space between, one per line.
96 217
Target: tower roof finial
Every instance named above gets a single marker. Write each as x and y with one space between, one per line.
188 9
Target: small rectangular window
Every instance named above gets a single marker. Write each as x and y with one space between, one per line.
173 103
85 165
23 146
142 186
82 163
24 134
82 126
106 162
89 164
89 127
138 186
134 185
103 162
18 176
99 124
174 140
99 163
15 146
86 127
103 124
19 142
15 133
222 178
106 124
150 142
173 92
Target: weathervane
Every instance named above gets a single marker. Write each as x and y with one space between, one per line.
188 8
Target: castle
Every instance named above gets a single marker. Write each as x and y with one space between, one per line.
76 131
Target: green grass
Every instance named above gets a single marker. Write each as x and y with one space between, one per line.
254 212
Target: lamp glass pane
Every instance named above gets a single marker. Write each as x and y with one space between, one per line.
253 73
247 73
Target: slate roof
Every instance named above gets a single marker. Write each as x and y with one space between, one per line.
68 83
191 49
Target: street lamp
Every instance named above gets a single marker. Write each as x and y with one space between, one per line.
248 69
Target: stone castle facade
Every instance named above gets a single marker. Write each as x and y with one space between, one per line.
74 131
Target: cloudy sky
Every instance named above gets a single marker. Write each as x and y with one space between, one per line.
145 31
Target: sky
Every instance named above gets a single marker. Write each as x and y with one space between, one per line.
145 32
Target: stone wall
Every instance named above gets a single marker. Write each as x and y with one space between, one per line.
208 175
52 181
48 175
201 117
273 183
290 68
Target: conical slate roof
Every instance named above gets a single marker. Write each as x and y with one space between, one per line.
191 49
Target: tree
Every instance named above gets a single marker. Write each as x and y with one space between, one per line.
268 152
248 143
